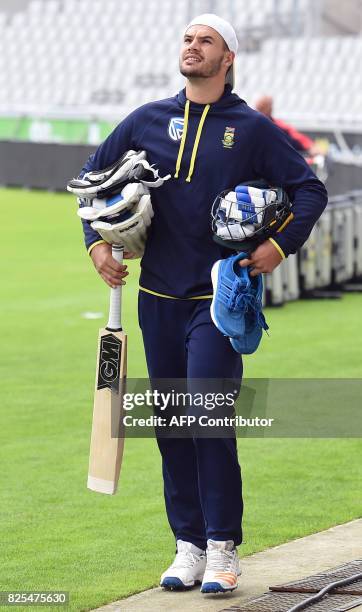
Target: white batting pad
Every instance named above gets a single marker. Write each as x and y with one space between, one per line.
235 231
131 232
107 207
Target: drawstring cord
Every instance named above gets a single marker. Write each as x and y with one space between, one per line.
183 139
196 143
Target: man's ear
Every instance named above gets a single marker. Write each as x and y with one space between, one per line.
230 56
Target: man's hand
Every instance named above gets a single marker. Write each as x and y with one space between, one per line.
264 259
109 269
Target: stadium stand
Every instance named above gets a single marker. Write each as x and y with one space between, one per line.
329 262
345 21
317 78
68 65
75 58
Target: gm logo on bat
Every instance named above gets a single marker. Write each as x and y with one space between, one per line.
109 362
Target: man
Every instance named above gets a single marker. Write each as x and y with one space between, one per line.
299 141
209 140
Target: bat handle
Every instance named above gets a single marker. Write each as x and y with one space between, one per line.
114 321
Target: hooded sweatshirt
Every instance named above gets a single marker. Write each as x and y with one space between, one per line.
206 149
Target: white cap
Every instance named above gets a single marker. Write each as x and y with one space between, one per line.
226 31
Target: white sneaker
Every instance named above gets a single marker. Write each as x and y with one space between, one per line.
222 568
187 569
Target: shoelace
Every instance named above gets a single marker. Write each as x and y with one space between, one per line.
185 559
261 321
237 297
230 291
219 560
240 301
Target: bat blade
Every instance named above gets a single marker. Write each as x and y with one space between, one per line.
106 449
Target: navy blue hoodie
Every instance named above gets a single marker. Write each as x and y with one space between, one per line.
235 144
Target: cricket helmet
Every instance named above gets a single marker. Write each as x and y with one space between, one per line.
245 216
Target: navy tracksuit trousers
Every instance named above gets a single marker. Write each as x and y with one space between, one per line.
202 479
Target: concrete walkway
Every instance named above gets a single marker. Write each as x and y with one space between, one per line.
295 560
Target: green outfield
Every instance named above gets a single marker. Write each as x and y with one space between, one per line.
55 534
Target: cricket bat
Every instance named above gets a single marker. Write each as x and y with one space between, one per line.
106 447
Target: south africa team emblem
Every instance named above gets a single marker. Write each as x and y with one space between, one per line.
175 128
229 138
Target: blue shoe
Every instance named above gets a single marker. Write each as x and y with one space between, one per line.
231 284
249 341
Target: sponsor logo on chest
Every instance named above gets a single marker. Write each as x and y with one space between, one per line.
175 128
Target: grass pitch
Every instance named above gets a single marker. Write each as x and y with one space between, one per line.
56 534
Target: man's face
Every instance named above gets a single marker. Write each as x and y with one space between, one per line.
204 53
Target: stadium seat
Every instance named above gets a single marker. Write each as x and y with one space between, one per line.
79 44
